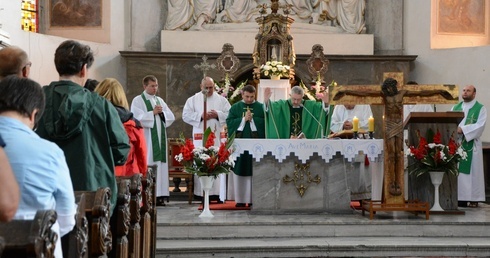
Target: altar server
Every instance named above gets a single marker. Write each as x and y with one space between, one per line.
217 108
471 183
246 120
155 116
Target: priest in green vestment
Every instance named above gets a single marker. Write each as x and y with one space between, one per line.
246 120
471 183
296 117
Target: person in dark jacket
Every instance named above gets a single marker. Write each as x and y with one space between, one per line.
85 125
113 91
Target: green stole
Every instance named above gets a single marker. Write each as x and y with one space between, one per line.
159 148
471 118
296 120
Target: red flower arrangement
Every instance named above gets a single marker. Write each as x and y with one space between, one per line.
435 156
208 160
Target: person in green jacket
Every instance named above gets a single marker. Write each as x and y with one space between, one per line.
83 124
246 120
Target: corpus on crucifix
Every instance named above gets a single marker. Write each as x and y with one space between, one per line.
393 100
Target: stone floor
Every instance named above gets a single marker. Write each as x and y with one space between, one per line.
466 235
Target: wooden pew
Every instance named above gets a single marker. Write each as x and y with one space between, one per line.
30 238
146 218
134 235
75 243
2 245
97 211
149 213
120 220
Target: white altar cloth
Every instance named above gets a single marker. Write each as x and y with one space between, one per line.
305 148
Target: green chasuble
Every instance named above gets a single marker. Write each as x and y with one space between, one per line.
159 147
471 118
243 165
279 120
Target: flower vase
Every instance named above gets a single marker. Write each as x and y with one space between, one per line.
436 179
206 184
275 77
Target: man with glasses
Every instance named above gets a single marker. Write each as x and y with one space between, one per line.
14 61
217 108
295 117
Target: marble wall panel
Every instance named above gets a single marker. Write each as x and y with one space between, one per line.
178 79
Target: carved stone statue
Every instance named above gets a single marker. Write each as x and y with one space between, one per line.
237 11
334 16
180 15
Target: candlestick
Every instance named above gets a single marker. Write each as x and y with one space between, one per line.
371 124
355 124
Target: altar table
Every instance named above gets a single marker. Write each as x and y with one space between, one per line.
303 175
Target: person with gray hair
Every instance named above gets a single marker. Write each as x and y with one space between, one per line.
217 109
296 117
14 61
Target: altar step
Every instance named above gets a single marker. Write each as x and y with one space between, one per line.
243 234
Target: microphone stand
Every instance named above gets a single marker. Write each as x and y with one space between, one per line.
316 120
205 95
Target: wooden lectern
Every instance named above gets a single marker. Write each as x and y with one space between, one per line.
421 188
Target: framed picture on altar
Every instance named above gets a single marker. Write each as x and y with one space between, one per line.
80 19
460 23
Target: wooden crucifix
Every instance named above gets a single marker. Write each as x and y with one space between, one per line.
393 95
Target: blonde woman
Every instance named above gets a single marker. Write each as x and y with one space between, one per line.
113 91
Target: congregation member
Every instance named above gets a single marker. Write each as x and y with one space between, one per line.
83 124
295 117
90 84
113 91
155 116
246 120
14 61
343 115
471 183
9 196
217 108
38 165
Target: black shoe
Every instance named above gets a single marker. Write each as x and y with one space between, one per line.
240 205
161 201
462 204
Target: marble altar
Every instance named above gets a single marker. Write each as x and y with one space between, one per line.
304 176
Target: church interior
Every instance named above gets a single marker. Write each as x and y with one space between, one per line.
430 42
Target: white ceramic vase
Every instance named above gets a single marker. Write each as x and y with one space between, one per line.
206 185
436 179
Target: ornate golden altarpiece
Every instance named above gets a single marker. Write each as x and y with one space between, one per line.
274 41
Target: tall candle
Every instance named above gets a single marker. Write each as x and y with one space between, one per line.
371 124
355 124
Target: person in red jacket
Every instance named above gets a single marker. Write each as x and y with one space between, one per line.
113 91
